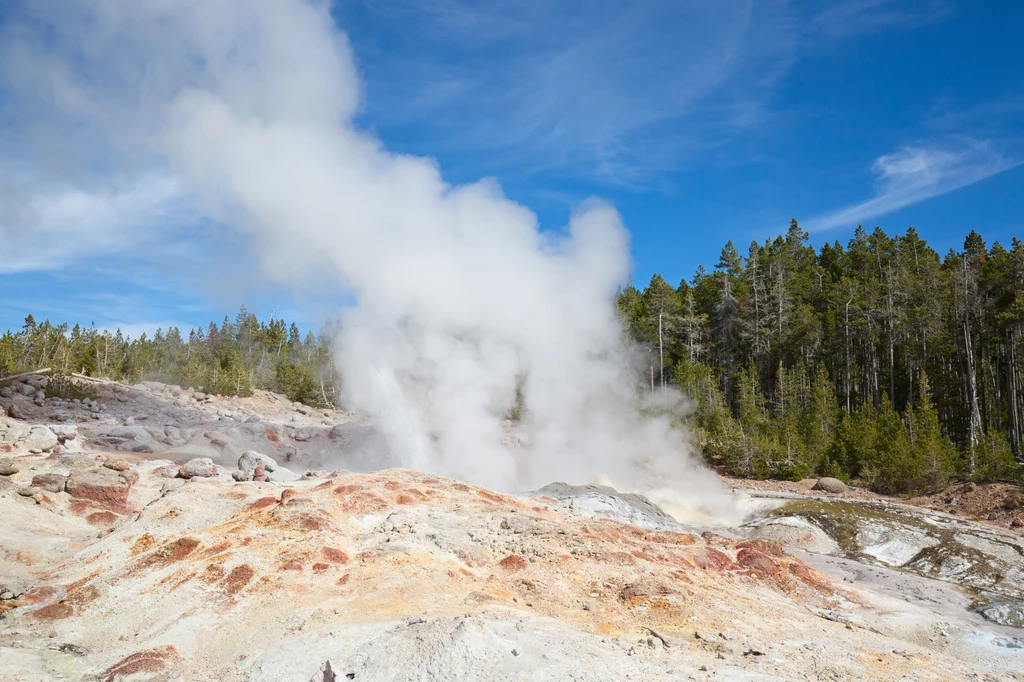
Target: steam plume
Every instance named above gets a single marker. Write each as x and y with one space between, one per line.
462 300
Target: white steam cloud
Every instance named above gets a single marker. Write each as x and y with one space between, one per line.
462 300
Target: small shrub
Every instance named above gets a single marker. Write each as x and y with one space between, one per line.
61 385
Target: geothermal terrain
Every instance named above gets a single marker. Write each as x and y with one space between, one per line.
158 533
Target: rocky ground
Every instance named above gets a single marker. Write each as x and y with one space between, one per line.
996 504
161 534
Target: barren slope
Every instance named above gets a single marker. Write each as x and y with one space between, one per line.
400 575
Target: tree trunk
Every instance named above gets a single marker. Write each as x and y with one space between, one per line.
661 349
972 396
1014 403
847 375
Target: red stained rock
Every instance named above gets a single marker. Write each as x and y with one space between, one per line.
37 594
709 558
148 661
320 567
103 486
170 553
102 518
58 610
238 578
264 502
335 556
755 561
513 563
770 548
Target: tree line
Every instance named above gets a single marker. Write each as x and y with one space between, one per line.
231 359
881 360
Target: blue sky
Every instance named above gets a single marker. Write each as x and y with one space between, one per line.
700 122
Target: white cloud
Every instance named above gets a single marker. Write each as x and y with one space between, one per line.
915 173
54 225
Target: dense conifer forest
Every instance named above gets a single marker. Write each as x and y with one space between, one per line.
880 361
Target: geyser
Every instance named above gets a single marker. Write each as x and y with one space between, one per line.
463 302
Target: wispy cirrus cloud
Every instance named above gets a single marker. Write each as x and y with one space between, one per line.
614 92
865 17
52 225
916 173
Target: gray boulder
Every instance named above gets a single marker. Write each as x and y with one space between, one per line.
282 475
64 432
50 482
39 438
6 392
15 412
7 467
13 432
26 389
200 467
251 459
171 435
830 485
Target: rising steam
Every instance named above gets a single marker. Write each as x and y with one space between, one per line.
463 303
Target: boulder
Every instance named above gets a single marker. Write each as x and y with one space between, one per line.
282 475
252 459
118 463
830 485
15 412
6 392
13 432
64 432
26 389
39 438
167 471
51 482
305 435
171 435
77 462
98 485
7 467
199 467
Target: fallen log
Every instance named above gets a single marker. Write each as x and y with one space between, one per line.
97 380
25 374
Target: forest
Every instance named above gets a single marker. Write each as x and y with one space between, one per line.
231 359
882 361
